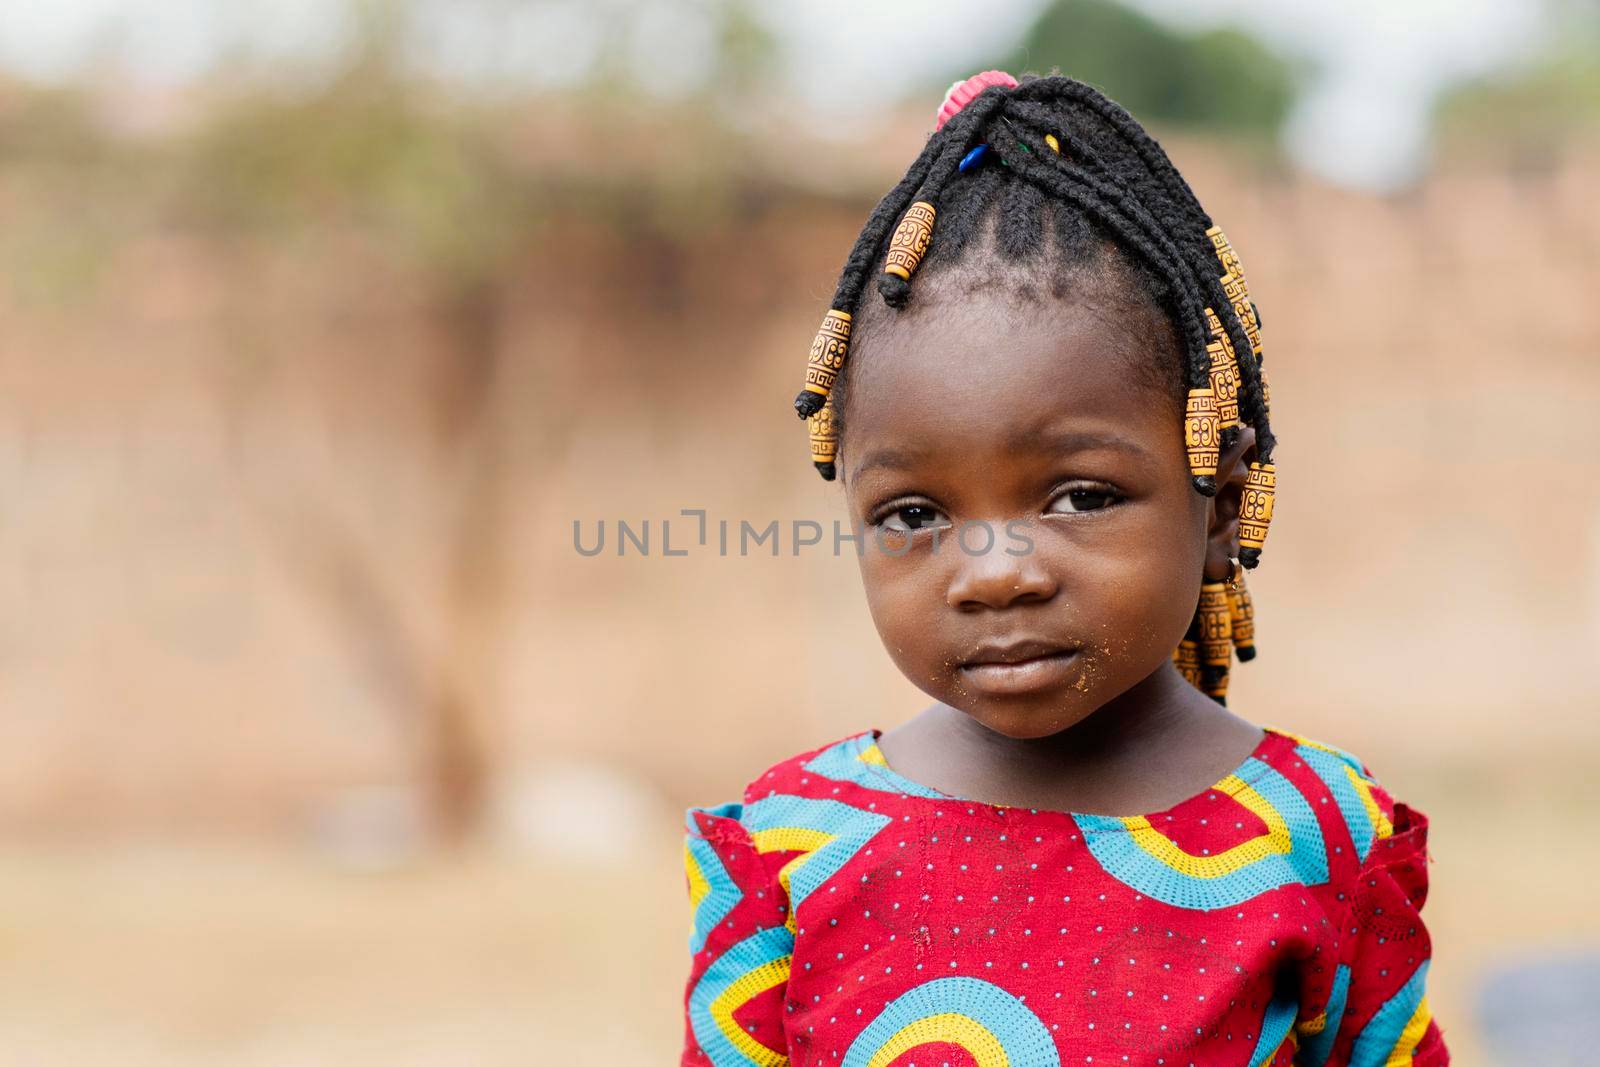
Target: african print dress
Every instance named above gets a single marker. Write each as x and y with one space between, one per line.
846 915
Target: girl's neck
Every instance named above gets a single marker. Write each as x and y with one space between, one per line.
1153 746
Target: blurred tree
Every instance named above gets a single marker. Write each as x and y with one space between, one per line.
432 178
374 153
739 54
746 51
1534 109
1222 79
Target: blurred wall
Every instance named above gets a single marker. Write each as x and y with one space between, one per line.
288 502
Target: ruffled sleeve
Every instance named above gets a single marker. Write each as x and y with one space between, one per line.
1377 1014
740 945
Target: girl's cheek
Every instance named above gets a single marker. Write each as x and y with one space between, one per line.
904 595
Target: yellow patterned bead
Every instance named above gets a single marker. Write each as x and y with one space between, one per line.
1215 684
1224 372
1241 616
1187 659
1236 287
910 240
1215 624
1200 432
828 351
1228 257
1238 295
824 436
1255 509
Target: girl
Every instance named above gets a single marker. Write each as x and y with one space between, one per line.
1079 363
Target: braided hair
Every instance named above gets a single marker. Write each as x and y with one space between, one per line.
1050 165
1051 160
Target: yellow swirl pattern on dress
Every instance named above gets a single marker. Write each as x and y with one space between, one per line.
1380 821
748 985
791 839
951 1027
1314 1026
1275 841
1411 1036
698 886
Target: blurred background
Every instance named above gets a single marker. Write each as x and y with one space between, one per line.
322 323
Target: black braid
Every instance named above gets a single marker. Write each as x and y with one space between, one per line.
1111 176
960 222
853 278
1062 184
1117 117
1200 259
960 135
1171 192
1117 199
867 250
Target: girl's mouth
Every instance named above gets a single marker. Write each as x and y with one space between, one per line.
1019 667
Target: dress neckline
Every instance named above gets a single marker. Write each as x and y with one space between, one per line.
1240 778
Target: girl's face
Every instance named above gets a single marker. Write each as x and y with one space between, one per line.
1033 548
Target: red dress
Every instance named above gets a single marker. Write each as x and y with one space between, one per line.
846 915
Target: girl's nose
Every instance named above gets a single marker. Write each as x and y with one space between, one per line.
998 578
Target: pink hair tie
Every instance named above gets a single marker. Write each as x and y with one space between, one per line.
963 93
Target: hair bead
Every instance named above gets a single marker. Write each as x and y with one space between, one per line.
824 441
1237 288
1186 657
1244 309
1225 253
828 351
1255 511
1224 373
1216 628
1214 683
1200 435
910 240
1241 616
1216 638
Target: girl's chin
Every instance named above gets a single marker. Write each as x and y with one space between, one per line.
1029 723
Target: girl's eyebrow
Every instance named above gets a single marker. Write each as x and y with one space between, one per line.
892 458
1052 441
1073 441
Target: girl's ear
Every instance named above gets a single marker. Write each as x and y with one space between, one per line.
1222 535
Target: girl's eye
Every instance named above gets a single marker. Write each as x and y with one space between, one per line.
1085 498
913 517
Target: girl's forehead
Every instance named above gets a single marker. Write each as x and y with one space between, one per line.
1013 366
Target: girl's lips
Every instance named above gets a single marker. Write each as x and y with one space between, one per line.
1022 675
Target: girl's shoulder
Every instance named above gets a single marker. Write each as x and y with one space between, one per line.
818 771
816 774
1381 830
1314 763
734 851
